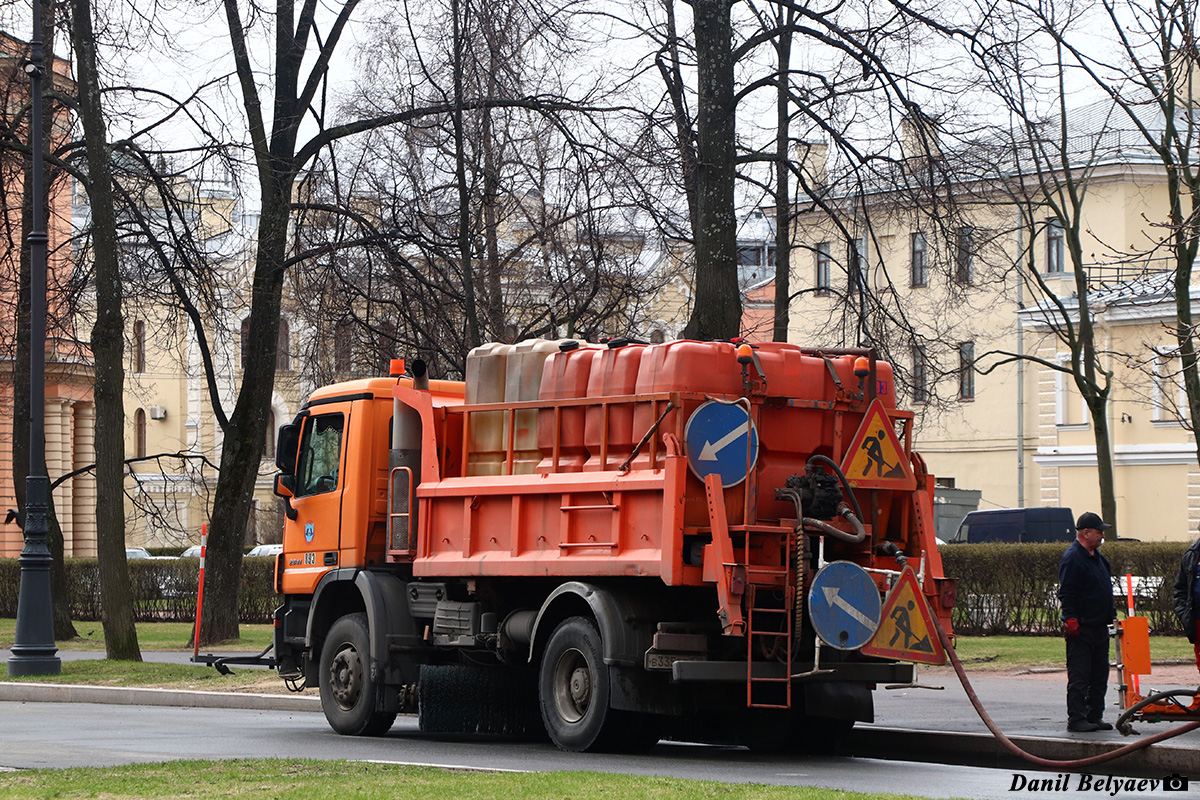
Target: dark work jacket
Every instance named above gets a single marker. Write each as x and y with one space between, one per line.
1085 588
1185 603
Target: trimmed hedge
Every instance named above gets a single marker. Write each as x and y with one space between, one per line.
163 591
1012 588
1002 588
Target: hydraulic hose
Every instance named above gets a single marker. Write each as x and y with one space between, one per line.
1012 746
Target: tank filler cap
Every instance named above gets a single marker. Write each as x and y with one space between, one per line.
568 345
861 368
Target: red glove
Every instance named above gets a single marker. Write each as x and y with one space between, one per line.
1072 627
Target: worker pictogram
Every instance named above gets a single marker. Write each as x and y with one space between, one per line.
875 458
906 630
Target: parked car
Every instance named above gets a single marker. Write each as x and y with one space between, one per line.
137 552
191 552
266 550
1016 525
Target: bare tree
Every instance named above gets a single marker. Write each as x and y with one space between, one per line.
120 635
492 223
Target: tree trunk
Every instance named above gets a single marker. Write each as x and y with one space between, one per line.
783 199
108 349
241 452
717 309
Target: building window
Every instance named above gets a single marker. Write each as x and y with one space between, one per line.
856 259
1055 251
1070 409
964 249
749 256
385 347
1168 399
966 371
269 444
343 346
918 259
283 358
920 375
245 341
139 433
824 259
139 346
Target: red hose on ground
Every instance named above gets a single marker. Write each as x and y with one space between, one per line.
1012 746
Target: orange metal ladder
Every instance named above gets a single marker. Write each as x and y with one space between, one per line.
769 629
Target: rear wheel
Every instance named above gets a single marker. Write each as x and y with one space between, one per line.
573 686
349 695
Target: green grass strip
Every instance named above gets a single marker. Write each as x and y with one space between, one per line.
343 780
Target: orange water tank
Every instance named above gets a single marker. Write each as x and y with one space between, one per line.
565 375
681 366
614 373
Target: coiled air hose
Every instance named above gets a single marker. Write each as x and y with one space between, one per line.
1012 746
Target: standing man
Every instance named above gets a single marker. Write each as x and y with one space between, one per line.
1085 593
1187 596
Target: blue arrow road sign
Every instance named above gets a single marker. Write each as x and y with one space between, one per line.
844 605
716 442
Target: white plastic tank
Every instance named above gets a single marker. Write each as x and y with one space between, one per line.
486 370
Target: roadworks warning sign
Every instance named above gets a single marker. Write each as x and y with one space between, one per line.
906 631
875 458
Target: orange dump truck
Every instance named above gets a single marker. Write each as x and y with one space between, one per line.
607 544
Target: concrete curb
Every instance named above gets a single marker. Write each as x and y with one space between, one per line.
131 696
984 750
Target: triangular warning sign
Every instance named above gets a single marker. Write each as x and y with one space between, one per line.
875 458
906 631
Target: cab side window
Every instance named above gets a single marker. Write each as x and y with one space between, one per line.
320 455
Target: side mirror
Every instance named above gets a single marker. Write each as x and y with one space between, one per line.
286 447
285 487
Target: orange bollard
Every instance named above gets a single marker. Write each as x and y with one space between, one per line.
200 592
1129 600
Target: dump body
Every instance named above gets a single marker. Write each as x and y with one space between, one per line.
666 505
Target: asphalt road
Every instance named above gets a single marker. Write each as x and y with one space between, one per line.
64 735
928 723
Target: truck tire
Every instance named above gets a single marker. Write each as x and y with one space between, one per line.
348 692
573 693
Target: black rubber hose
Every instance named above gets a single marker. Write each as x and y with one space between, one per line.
1012 746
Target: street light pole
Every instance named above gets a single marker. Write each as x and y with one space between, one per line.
34 651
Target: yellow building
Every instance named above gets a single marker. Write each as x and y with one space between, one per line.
941 290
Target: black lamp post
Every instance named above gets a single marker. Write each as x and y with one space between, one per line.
34 651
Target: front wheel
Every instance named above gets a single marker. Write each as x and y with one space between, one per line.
349 695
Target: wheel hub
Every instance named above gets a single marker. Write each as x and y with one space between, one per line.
581 686
572 686
346 677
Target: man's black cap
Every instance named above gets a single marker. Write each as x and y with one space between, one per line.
1090 520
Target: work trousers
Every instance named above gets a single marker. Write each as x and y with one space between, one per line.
1087 673
1197 643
